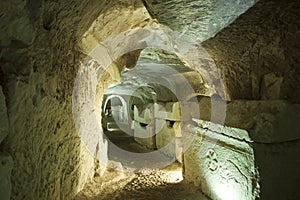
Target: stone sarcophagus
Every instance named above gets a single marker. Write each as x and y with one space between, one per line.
158 127
221 161
167 137
167 129
144 127
169 111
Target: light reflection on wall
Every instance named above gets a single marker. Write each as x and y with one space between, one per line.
226 191
225 171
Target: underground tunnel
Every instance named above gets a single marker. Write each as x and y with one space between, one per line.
149 99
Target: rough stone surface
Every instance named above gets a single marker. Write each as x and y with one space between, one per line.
169 59
271 86
225 130
166 140
146 184
39 71
266 121
222 166
3 116
201 19
117 17
17 22
6 165
263 40
144 135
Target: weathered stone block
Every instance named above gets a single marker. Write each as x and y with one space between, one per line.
170 111
144 134
271 85
165 137
266 121
222 165
6 165
144 116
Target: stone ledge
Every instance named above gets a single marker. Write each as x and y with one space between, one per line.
269 121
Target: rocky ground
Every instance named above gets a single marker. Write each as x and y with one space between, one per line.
124 183
140 185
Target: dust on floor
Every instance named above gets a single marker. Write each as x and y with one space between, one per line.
146 184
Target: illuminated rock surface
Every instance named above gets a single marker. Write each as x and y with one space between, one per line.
201 19
220 163
144 184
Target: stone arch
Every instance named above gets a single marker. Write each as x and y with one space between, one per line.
124 105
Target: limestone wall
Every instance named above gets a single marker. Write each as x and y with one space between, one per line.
266 121
41 51
258 53
200 19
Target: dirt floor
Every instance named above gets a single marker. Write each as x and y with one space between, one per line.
125 183
141 185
